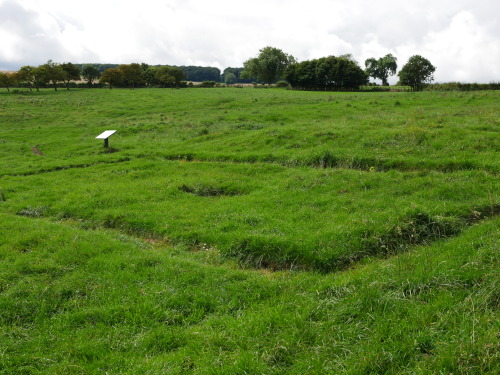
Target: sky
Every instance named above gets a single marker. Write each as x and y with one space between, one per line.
461 38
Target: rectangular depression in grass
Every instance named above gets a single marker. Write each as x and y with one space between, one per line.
262 214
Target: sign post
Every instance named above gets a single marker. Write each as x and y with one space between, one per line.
105 136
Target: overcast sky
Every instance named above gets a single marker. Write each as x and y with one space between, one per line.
460 37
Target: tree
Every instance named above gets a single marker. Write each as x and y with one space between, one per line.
113 76
237 72
326 73
350 57
381 68
149 76
269 66
132 74
51 72
229 78
72 73
90 73
7 80
169 76
201 73
417 71
349 75
25 75
302 75
32 76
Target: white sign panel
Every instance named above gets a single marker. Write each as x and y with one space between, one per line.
106 134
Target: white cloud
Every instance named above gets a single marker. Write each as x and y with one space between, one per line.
10 43
457 36
464 51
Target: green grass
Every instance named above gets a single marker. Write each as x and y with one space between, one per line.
407 131
249 231
265 215
92 301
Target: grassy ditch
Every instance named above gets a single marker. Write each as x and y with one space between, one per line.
90 301
265 215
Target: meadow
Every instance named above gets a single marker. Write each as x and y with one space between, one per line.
242 230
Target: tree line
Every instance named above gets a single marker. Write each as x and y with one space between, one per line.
124 75
116 75
268 67
335 72
192 73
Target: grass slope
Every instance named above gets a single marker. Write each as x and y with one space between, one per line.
444 131
129 260
96 301
265 215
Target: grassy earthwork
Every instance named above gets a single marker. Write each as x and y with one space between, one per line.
249 231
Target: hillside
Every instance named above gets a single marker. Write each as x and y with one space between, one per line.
249 231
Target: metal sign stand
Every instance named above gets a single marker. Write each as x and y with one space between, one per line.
105 136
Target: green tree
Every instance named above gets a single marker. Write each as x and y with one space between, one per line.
230 78
33 77
72 73
25 74
348 56
170 76
51 72
112 76
269 66
381 68
237 72
90 73
7 80
149 76
132 74
326 73
201 73
416 72
302 75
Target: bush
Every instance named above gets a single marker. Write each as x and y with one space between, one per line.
208 84
282 84
375 88
458 86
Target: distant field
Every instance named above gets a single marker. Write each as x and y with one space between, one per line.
404 131
241 230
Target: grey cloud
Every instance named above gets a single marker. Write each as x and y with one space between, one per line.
17 19
185 32
37 44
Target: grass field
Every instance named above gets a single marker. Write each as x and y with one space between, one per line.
242 231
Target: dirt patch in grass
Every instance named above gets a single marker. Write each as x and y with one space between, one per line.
206 190
36 151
